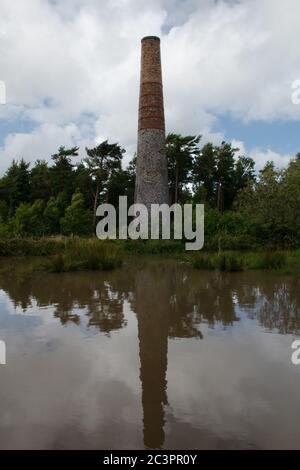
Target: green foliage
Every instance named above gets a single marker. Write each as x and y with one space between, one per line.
290 194
40 181
121 182
228 231
181 151
28 219
15 185
82 254
272 260
234 261
242 212
62 174
203 261
52 215
154 247
65 155
218 175
272 206
30 247
4 211
5 230
77 220
204 174
224 261
230 261
84 184
103 162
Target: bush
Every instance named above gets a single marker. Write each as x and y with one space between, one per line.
5 230
77 220
28 219
228 242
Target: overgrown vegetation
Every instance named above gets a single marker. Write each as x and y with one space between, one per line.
243 211
67 254
227 261
31 247
74 253
154 247
235 261
82 254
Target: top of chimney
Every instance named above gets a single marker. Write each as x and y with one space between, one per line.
151 37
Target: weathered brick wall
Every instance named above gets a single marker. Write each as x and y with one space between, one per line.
152 174
151 107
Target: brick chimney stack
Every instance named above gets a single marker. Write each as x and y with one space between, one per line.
152 173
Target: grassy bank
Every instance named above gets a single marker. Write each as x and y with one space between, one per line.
54 246
284 261
32 247
80 254
67 254
153 247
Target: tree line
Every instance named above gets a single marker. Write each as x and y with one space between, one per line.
242 209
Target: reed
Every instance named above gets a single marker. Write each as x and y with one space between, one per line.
231 261
80 254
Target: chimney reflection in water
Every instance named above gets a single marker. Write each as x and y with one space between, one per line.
153 307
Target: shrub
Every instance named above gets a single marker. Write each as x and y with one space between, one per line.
5 230
77 220
28 219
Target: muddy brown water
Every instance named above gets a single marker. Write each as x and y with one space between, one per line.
152 355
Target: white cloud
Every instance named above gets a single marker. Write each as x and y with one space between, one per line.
40 143
261 157
64 59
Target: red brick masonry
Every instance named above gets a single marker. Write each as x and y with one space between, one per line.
151 106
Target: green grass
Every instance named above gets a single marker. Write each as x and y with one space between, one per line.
80 254
271 260
31 247
153 247
283 261
225 261
56 246
69 254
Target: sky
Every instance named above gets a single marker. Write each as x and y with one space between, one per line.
71 70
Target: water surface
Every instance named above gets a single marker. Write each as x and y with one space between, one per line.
152 355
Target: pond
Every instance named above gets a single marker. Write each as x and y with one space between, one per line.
151 355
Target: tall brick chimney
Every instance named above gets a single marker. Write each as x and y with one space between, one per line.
152 172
